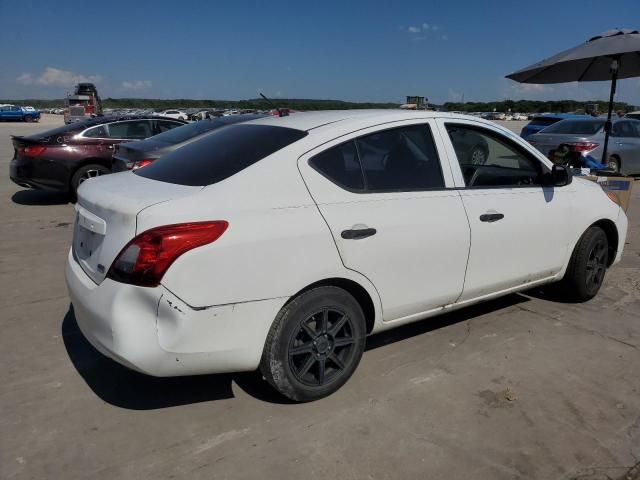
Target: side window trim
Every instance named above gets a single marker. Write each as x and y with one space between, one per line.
460 183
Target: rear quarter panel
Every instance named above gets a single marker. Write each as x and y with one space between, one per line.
277 243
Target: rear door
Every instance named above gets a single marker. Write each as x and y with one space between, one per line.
520 229
383 193
625 143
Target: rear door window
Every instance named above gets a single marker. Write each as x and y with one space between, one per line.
130 130
393 160
220 154
165 125
400 159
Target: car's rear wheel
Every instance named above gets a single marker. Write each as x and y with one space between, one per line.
587 267
84 173
315 344
28 119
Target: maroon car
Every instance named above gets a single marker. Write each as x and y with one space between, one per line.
62 158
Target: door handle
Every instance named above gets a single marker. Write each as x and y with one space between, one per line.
357 233
491 217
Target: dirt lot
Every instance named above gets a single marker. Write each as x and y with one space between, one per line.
521 387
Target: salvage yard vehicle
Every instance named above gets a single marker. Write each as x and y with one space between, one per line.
134 155
64 157
84 104
539 122
585 136
177 114
282 242
17 113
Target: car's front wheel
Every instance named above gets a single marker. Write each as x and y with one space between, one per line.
587 267
315 344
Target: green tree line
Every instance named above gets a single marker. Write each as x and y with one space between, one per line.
535 106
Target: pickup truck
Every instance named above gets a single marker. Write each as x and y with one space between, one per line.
14 112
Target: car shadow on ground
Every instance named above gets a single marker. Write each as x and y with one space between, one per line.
39 197
119 386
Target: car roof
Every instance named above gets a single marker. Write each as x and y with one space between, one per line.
308 121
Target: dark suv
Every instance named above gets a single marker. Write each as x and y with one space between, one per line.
62 158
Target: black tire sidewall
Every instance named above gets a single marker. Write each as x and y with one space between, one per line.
577 274
75 180
287 324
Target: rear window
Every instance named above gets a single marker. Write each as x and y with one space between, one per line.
185 132
544 121
575 127
221 154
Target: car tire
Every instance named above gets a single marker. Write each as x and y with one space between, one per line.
84 173
613 164
28 119
587 267
478 155
315 344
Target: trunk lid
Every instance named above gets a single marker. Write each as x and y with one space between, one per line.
106 216
545 142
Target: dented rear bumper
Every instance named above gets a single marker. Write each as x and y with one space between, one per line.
152 331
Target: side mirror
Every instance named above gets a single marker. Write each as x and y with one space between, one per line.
561 175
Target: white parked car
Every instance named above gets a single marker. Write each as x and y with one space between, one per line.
177 114
519 116
281 243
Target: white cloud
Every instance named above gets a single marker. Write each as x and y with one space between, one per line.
25 79
444 37
435 28
136 85
531 88
414 29
419 39
425 26
56 77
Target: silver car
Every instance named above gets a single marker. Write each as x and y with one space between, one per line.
586 136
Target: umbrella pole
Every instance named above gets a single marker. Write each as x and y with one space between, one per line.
607 125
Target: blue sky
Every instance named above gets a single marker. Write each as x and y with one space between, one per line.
350 50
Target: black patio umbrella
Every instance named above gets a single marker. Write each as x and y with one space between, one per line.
611 56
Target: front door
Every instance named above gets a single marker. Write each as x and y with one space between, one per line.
383 195
520 229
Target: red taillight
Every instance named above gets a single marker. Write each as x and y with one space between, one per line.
141 163
33 150
583 146
146 258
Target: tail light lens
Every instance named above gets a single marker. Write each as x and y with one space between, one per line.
33 150
583 146
146 258
139 163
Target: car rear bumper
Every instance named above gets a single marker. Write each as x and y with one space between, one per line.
22 172
152 331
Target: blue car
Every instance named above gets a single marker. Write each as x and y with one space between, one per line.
544 120
16 113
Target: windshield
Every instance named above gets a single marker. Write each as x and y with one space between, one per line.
575 127
221 154
184 133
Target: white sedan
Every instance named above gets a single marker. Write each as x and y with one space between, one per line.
281 243
177 114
